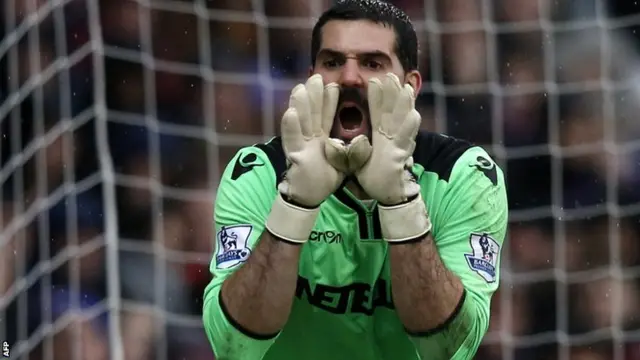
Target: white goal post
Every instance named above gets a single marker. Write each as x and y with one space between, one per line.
117 118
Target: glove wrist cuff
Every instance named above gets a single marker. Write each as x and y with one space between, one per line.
405 222
290 222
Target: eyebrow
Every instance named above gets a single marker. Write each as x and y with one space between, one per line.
336 53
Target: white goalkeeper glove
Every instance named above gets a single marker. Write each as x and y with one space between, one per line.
386 176
309 179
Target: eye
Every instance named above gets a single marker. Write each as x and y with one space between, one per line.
331 63
372 64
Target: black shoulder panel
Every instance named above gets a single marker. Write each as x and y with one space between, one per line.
276 156
438 153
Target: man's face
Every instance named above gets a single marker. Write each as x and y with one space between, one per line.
350 54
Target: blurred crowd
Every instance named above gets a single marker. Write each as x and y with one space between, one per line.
547 87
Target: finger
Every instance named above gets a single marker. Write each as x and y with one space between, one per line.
409 87
359 152
329 106
336 153
374 92
407 132
299 101
374 97
392 88
315 91
292 138
295 90
404 104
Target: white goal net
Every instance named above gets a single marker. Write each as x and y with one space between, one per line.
117 116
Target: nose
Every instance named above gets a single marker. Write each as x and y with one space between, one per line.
350 75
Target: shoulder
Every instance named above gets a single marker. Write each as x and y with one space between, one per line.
450 157
264 159
249 182
439 153
274 153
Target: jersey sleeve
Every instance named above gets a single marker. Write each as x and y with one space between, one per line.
243 201
469 228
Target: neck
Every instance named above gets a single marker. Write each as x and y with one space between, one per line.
357 190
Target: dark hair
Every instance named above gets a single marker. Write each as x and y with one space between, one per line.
377 11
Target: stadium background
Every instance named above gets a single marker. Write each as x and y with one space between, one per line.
181 86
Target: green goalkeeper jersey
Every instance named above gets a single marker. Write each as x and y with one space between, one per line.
343 307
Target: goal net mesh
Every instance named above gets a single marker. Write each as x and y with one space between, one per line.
117 117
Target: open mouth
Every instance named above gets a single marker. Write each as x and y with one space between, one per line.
351 117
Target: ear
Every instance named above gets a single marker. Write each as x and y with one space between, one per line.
414 79
310 71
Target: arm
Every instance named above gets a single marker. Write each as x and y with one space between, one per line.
442 286
260 294
249 299
425 292
432 291
244 313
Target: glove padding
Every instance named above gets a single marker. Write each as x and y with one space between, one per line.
386 175
310 178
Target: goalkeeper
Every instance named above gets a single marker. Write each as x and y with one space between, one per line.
354 235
